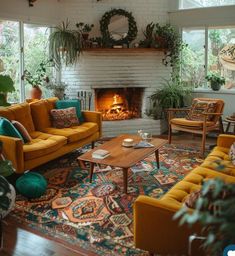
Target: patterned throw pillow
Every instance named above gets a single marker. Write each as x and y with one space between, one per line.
191 199
232 153
22 130
199 107
64 118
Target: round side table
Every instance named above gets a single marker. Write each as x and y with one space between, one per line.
230 122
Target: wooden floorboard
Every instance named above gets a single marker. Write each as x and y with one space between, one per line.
20 240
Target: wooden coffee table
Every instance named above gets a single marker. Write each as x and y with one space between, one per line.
122 157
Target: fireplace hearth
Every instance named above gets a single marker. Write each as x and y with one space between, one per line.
119 103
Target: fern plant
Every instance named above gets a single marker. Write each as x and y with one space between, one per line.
65 44
172 94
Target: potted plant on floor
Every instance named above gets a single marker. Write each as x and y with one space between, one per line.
65 45
37 79
6 86
172 94
215 211
216 81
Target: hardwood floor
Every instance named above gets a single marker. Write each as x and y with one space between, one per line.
19 240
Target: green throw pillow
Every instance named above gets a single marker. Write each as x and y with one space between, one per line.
8 129
62 104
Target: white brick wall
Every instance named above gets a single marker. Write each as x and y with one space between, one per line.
112 69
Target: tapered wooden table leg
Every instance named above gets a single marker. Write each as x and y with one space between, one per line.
82 164
125 179
157 158
91 170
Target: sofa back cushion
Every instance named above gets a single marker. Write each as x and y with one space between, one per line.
22 114
40 115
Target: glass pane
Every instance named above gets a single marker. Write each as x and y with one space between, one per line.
193 57
10 55
221 54
188 4
36 51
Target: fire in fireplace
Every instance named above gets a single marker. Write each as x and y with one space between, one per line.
120 103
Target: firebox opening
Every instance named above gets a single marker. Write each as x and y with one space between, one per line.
119 103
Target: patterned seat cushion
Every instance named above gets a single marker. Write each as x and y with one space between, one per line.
232 153
199 107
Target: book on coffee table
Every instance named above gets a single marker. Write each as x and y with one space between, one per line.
100 154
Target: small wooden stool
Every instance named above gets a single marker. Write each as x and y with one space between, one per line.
229 121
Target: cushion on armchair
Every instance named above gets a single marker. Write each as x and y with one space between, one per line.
199 107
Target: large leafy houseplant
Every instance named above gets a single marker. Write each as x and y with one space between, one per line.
172 94
6 86
65 45
216 81
215 211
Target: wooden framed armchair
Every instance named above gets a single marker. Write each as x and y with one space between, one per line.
203 124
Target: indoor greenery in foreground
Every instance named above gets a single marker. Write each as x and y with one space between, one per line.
215 211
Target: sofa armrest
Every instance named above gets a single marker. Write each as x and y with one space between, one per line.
95 117
155 230
13 151
225 140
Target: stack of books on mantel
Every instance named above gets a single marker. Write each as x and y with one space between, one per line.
100 154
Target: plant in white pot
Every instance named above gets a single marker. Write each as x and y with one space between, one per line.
58 89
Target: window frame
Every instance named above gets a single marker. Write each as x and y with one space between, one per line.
206 49
180 5
21 24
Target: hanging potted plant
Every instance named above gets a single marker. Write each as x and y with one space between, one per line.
84 29
38 79
216 81
64 45
6 86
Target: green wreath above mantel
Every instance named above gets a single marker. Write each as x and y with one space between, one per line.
104 27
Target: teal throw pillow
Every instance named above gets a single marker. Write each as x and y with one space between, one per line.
62 104
31 185
8 129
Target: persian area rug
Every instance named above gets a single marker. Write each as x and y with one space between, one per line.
98 216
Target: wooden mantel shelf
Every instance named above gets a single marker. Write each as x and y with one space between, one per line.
137 50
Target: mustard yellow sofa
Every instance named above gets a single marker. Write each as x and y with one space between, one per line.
154 229
47 142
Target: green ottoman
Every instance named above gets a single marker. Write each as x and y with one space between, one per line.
31 185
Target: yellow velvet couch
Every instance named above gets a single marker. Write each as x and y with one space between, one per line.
154 229
47 142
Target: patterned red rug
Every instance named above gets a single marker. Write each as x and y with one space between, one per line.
98 216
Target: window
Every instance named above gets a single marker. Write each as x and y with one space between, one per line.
209 50
35 45
188 4
36 50
10 54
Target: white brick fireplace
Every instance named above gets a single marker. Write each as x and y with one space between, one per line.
119 69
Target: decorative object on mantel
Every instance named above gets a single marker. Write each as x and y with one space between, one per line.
111 21
31 2
37 79
216 81
65 45
148 42
84 29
